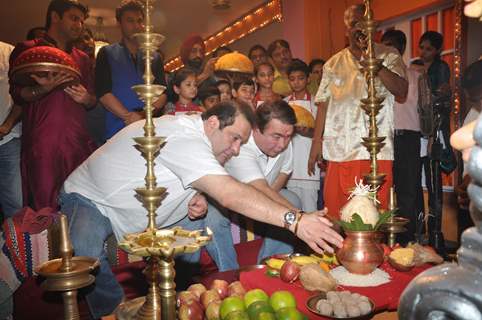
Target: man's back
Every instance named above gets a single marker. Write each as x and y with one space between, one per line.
109 176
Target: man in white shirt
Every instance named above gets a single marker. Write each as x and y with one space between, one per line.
99 196
407 163
340 121
10 131
264 162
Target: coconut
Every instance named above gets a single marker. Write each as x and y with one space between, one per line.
362 203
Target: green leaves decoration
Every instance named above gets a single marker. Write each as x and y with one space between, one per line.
357 224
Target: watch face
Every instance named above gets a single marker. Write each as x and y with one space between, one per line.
290 217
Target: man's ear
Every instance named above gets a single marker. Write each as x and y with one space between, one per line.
234 93
55 17
213 122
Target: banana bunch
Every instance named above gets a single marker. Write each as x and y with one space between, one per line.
274 263
327 258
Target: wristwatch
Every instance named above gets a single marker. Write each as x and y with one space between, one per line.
289 219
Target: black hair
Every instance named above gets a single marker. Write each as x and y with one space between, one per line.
223 81
225 48
278 109
298 65
242 81
181 75
128 5
472 76
227 111
435 39
315 62
397 38
273 45
208 92
256 69
256 47
60 6
31 32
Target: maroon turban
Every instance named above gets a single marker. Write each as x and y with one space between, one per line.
187 45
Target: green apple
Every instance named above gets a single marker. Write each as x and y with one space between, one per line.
289 313
255 295
258 307
282 299
237 315
231 304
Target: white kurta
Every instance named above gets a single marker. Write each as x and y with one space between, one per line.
342 86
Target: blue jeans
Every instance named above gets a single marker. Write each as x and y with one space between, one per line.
221 249
11 180
89 230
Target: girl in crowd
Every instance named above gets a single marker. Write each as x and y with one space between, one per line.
264 75
224 87
184 85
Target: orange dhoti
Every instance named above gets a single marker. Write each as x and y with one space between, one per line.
340 179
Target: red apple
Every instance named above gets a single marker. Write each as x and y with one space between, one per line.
185 296
212 310
221 286
289 271
191 311
197 289
209 296
236 288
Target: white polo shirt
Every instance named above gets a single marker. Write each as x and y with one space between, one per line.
108 177
252 164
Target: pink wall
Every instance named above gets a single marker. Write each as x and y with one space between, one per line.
294 26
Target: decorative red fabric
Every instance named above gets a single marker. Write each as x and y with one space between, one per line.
385 297
45 54
35 222
187 46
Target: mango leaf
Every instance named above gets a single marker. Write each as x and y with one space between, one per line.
384 217
356 224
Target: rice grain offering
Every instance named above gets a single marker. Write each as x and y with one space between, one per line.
345 278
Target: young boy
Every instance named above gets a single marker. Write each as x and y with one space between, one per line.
243 90
209 97
316 72
305 186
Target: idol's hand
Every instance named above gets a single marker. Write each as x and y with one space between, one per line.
197 207
316 230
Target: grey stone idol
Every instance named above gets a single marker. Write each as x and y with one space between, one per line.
453 291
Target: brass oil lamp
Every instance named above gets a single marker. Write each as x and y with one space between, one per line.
67 274
361 252
158 246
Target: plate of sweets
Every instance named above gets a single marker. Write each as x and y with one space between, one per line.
341 305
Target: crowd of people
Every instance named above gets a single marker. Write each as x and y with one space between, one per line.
232 147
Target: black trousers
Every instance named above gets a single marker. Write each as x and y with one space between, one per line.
407 178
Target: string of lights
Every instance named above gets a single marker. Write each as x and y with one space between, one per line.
238 29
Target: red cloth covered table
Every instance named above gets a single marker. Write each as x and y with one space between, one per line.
385 296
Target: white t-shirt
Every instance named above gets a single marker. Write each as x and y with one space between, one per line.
252 164
108 177
301 152
6 102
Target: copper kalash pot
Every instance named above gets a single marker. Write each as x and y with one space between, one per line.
361 252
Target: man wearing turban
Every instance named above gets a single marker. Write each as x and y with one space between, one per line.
192 54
